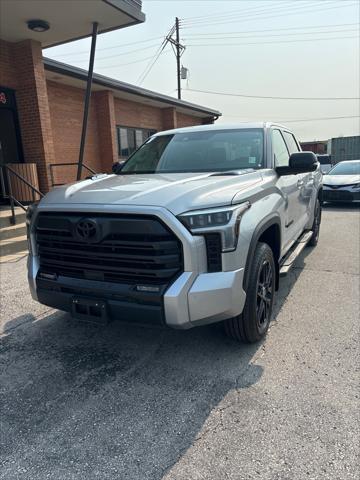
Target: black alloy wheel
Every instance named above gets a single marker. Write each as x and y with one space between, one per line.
265 295
253 323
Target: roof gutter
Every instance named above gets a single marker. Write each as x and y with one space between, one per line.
80 74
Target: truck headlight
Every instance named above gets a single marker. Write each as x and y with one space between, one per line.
223 220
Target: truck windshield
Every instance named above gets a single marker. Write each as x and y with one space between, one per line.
206 151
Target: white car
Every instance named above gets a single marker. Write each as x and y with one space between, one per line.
342 183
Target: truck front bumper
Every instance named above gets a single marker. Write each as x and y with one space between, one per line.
193 299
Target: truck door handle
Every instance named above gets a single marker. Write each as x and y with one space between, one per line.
300 183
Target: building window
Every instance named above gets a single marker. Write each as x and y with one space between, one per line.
130 139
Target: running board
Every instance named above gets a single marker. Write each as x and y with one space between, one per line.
294 252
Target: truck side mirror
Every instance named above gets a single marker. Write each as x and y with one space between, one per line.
299 162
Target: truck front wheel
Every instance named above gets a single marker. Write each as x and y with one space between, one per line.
253 323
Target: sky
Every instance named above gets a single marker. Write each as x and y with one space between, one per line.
256 48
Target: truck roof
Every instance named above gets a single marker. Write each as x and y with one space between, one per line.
223 126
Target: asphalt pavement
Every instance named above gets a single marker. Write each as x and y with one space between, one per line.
120 402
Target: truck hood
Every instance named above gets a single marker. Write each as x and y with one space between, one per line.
340 179
178 192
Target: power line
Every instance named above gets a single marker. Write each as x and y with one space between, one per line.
152 62
109 48
269 97
252 12
125 53
274 30
299 120
275 35
279 11
319 118
255 17
129 52
150 66
130 63
233 11
268 43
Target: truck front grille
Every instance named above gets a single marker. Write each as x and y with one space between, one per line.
110 248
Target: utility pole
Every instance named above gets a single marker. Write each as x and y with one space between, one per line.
178 50
178 54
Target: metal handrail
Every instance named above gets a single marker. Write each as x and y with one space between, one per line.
14 200
53 184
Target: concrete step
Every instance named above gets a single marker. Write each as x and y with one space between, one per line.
5 216
13 245
13 231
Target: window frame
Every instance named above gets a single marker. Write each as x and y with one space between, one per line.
272 146
149 131
294 138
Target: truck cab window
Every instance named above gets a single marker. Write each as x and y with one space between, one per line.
281 153
291 142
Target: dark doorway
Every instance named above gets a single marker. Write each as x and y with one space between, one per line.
10 144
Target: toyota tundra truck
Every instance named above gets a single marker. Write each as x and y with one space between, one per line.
195 227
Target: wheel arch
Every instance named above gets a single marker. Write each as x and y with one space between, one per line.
267 231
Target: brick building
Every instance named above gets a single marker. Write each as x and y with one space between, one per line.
121 117
316 146
42 101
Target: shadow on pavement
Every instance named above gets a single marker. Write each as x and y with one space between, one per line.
84 401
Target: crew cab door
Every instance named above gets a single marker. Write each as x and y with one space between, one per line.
305 182
294 209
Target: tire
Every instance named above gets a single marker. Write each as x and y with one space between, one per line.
253 323
315 226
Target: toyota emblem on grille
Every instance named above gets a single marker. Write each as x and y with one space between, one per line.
86 229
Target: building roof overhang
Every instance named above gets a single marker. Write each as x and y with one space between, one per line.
69 22
77 77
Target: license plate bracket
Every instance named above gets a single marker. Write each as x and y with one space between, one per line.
90 310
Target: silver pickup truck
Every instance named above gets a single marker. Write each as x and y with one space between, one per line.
195 227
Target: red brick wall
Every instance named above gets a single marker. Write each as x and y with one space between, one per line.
133 114
66 111
169 118
106 128
8 77
21 68
184 120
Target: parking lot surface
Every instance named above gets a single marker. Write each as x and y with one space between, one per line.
122 402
